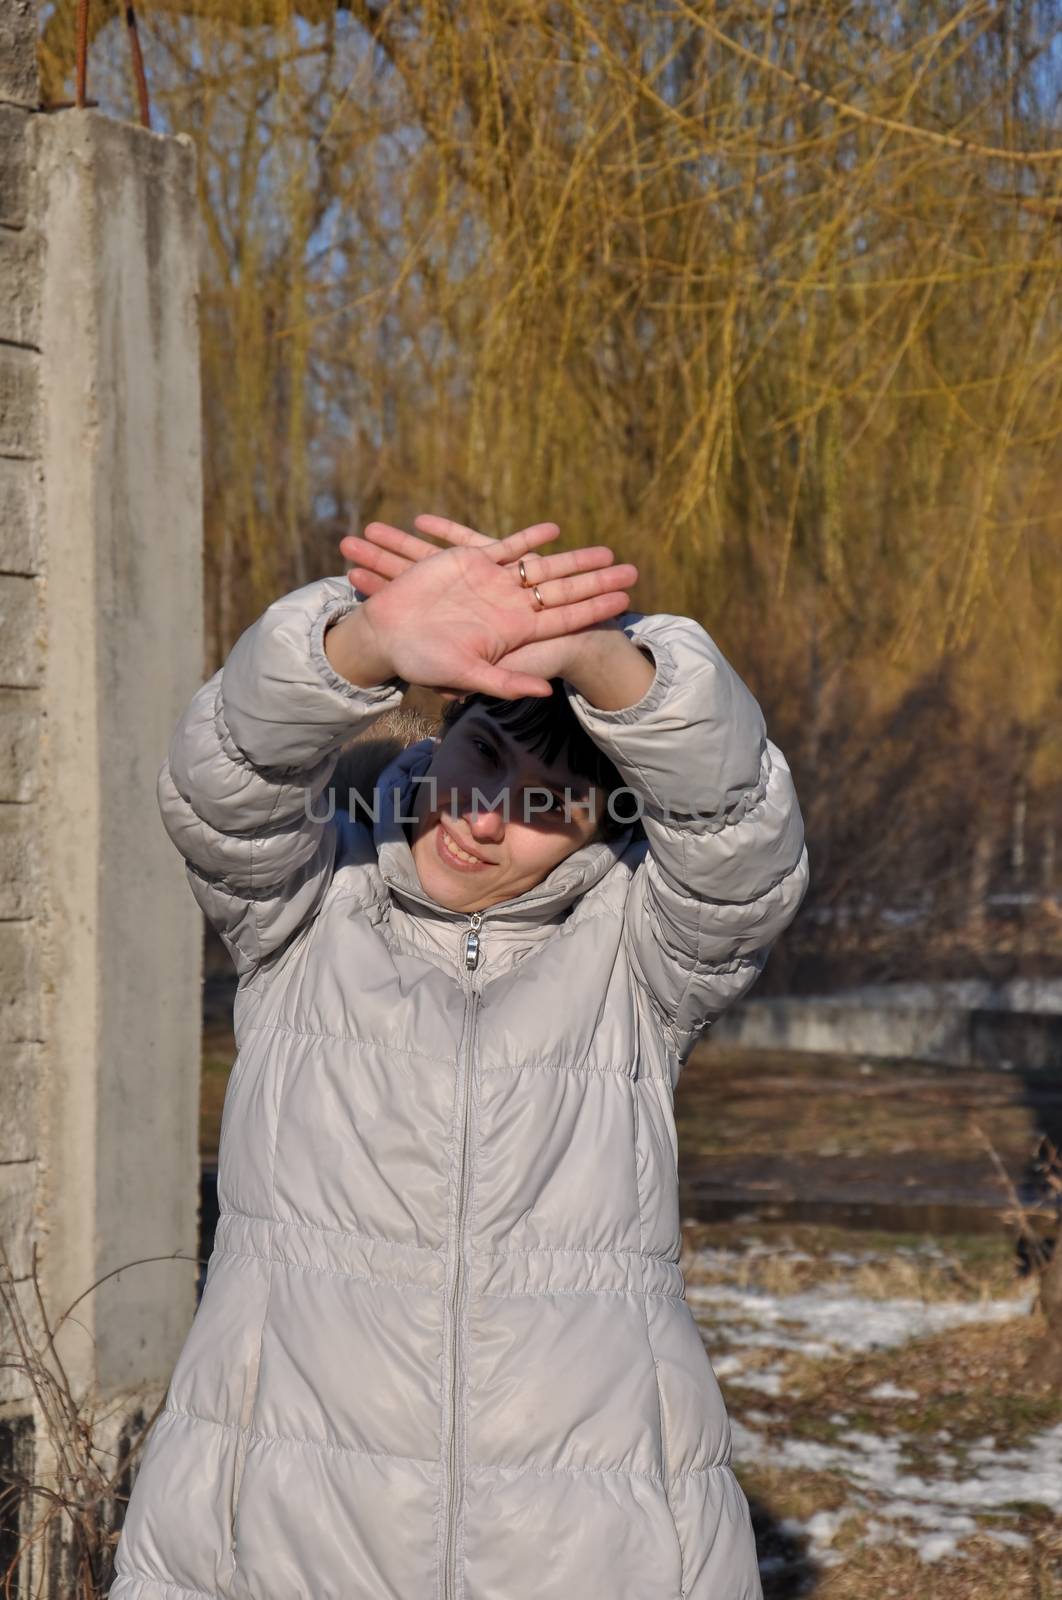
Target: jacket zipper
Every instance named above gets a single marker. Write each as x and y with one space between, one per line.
471 959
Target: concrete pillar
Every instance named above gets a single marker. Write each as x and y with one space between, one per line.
100 648
21 698
122 610
21 715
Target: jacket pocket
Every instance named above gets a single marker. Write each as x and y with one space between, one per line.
665 1462
694 1426
250 1393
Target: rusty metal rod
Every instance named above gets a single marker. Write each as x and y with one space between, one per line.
138 65
82 50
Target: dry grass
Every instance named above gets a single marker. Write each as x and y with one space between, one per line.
61 1504
786 1260
982 1570
971 1382
778 1102
950 1392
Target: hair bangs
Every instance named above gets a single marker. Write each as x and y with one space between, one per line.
549 728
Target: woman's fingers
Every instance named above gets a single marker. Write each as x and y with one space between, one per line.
543 569
452 532
566 591
479 612
499 550
404 548
396 540
379 552
369 555
518 544
505 685
503 551
368 582
557 620
375 550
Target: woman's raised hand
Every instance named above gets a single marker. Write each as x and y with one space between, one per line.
386 553
448 623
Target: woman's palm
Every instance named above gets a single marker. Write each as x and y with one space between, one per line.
450 622
494 622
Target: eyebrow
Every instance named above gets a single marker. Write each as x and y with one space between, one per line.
488 726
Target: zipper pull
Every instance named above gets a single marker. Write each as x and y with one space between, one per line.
472 940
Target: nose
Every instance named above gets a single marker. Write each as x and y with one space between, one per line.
486 824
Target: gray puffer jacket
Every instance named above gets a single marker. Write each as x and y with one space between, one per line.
443 1350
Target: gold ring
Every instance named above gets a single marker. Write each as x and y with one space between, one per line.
536 591
523 577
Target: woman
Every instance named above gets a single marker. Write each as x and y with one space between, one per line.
442 1351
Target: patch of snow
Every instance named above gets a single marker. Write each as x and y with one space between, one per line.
761 1339
860 1440
824 1525
931 1514
935 1546
819 1532
719 1259
891 1391
762 1378
822 1321
1020 1541
941 1510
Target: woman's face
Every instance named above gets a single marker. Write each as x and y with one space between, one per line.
513 851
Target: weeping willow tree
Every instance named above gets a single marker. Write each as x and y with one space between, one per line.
764 296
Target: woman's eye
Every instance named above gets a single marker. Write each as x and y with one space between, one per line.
485 749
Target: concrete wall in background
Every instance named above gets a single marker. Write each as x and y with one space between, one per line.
913 1023
100 649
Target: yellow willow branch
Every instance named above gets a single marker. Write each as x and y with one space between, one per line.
945 141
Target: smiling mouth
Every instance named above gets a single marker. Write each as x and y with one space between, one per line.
461 856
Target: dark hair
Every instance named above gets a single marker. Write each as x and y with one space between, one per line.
549 727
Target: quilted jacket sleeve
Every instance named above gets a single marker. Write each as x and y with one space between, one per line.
727 866
248 762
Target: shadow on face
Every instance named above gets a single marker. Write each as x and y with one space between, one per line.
493 819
